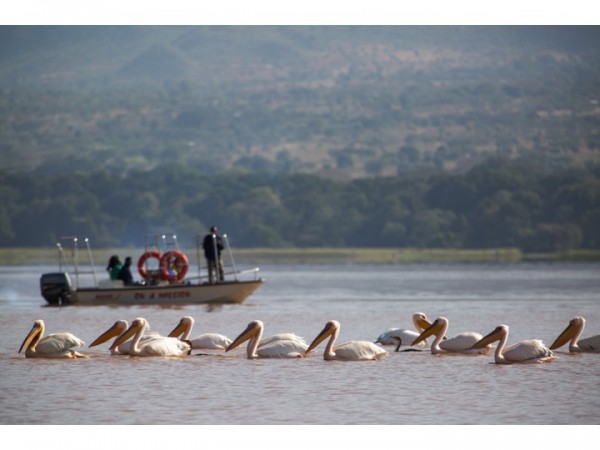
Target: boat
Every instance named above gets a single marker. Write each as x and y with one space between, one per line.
164 281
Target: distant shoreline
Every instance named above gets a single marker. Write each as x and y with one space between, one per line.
22 256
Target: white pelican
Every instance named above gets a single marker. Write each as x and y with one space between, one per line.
529 351
349 351
118 329
403 337
277 349
459 344
572 332
159 346
210 341
281 337
56 345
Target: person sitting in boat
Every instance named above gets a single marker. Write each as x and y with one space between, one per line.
213 244
114 267
125 272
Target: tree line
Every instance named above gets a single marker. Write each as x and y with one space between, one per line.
499 203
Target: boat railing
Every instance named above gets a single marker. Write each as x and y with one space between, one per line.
254 270
68 258
229 266
162 242
228 248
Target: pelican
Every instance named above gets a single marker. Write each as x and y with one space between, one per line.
400 336
349 351
159 346
459 344
281 337
56 345
572 332
529 351
210 341
277 349
118 329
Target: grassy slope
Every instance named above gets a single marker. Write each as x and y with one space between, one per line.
21 256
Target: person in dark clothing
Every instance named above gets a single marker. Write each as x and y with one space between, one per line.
125 272
213 245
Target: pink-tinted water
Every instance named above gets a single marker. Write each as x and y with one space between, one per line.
535 300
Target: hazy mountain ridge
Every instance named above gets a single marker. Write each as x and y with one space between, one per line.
38 55
337 101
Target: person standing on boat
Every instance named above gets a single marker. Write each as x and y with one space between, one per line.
114 267
213 244
125 272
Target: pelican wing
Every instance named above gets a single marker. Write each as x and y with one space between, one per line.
58 343
531 349
590 344
387 338
282 349
164 346
210 341
281 337
123 349
391 336
359 351
460 342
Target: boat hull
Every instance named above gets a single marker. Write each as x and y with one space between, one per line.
185 294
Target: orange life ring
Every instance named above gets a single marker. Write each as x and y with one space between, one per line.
173 265
144 272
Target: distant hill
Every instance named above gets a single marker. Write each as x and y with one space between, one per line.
102 56
340 101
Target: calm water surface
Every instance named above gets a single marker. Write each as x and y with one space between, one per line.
535 300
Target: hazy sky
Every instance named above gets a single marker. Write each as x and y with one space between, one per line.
318 12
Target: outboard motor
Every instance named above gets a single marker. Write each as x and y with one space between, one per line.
56 288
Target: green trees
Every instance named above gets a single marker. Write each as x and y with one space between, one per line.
501 203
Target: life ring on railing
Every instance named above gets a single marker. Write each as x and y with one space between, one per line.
142 269
173 265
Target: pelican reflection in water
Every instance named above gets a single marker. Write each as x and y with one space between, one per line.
278 348
459 344
348 351
159 346
572 333
56 345
528 351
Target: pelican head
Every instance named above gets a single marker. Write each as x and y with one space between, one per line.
330 327
135 326
498 333
36 332
118 327
435 328
253 330
575 326
420 321
186 323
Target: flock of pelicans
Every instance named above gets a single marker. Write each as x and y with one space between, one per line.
133 340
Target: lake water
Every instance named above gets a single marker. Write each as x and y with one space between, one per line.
535 299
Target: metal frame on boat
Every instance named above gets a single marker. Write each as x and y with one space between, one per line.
77 284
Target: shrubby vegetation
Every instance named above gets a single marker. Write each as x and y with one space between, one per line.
450 137
500 203
341 102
